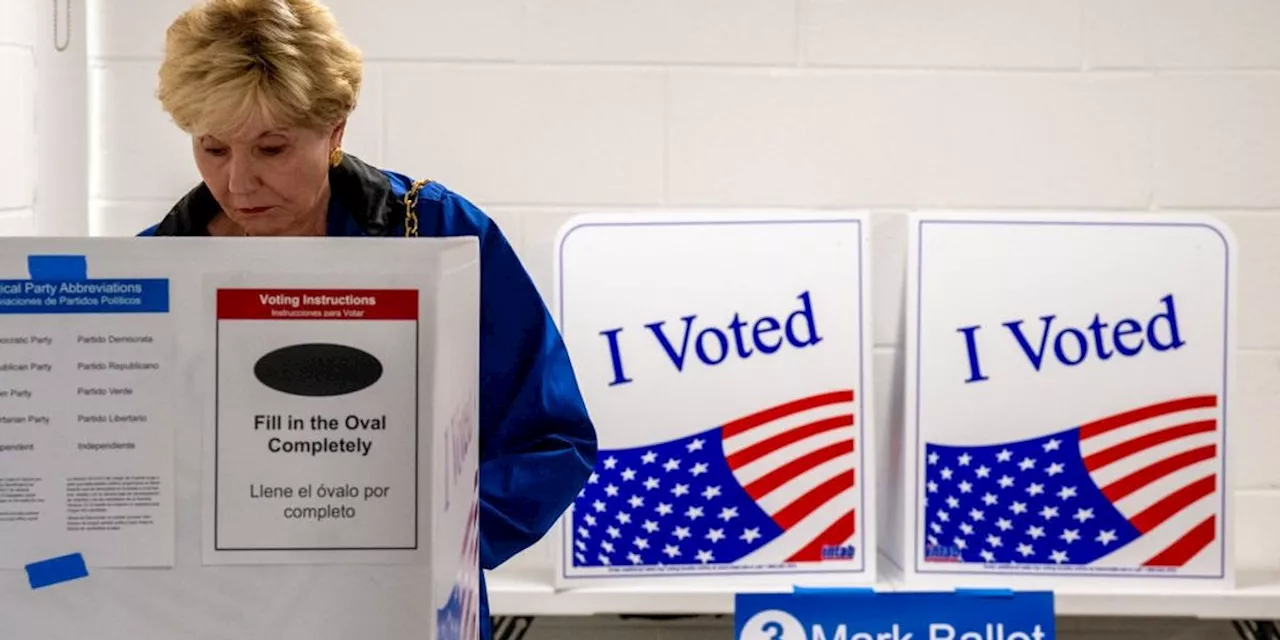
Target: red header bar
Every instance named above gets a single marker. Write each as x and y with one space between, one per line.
317 304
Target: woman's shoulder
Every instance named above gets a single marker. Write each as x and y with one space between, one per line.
440 210
188 216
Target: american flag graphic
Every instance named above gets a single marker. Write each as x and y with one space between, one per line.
773 487
460 618
1135 489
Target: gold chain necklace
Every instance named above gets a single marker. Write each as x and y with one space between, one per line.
411 208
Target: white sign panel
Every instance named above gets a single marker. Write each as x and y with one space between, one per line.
304 409
1068 386
725 359
316 437
86 439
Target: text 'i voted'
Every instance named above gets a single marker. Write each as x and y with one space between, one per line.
712 344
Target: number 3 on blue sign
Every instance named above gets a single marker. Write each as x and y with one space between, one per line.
842 614
772 624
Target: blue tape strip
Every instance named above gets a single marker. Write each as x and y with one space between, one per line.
58 267
56 570
986 593
851 591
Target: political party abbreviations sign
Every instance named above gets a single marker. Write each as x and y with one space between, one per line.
724 359
1068 387
86 431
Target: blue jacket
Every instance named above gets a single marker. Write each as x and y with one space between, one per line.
537 442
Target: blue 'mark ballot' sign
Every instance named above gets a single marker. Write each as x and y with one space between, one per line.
856 614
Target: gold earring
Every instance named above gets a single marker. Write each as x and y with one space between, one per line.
335 157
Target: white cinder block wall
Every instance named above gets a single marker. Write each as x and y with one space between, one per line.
17 116
43 118
537 109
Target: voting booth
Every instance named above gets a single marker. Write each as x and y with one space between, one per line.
725 360
244 438
1069 380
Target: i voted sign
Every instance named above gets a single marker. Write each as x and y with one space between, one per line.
1068 385
724 359
895 616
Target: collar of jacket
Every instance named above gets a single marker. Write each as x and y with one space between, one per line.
359 194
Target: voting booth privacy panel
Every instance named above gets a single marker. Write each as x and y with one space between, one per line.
238 438
1069 386
725 360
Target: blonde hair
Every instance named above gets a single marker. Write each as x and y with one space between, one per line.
226 60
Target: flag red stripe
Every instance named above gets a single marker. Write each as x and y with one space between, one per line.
1168 507
1127 448
766 447
1186 547
818 496
835 535
1145 476
1119 420
780 476
746 423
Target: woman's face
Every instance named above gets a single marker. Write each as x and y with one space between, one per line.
269 180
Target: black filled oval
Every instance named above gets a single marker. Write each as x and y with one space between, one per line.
318 369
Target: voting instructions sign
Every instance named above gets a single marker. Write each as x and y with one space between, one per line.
1069 380
725 360
311 380
854 615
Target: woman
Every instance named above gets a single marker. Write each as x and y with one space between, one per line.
264 88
